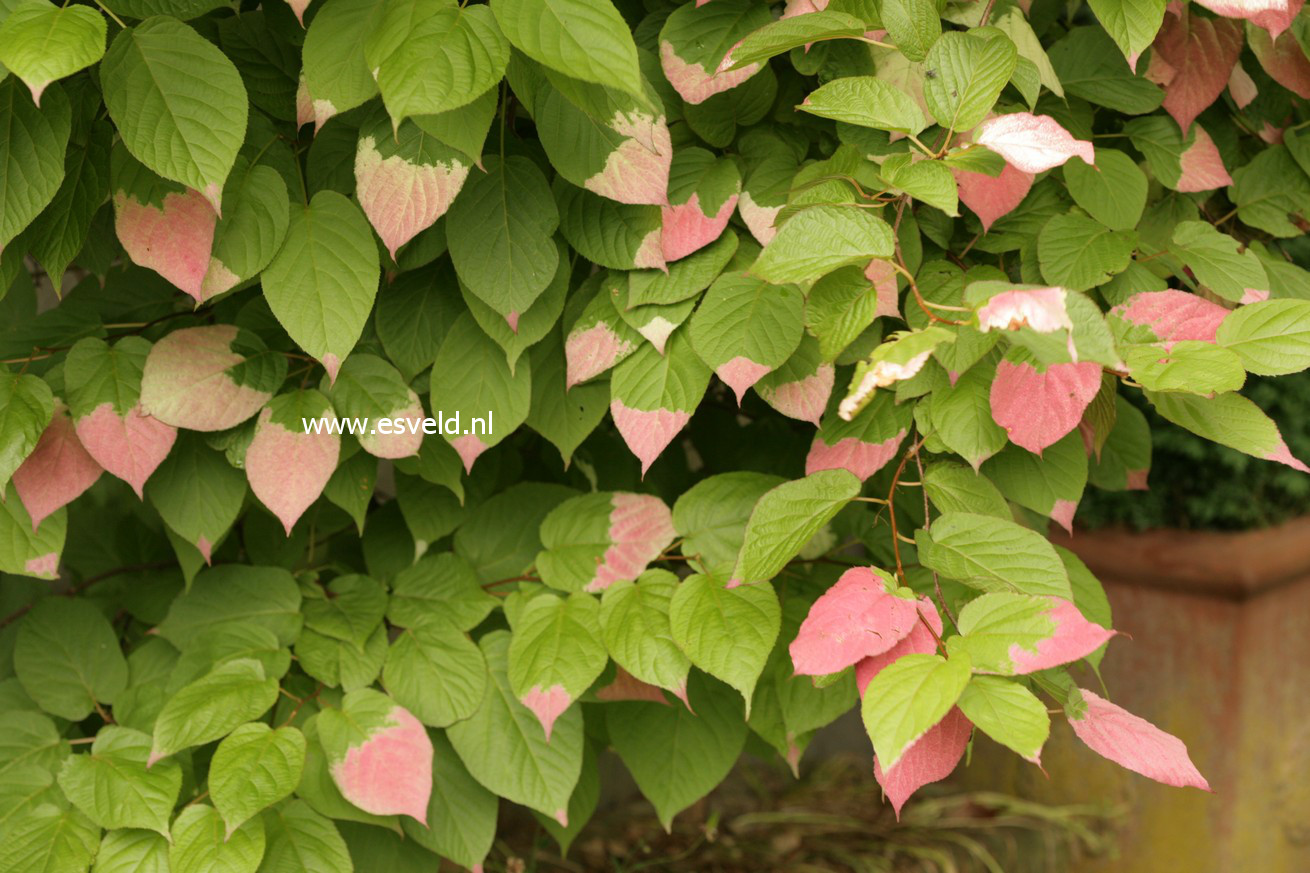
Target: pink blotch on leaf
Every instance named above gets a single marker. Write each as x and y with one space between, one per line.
759 219
804 399
640 528
1202 168
1032 143
402 198
1253 295
931 758
883 276
390 773
803 7
406 435
1269 134
304 103
332 364
185 382
1201 53
130 447
741 373
992 197
919 641
57 471
1114 733
469 447
1062 513
1284 61
638 170
1242 87
854 619
685 228
547 705
647 432
1137 480
299 7
628 687
1037 409
694 83
1072 637
512 319
860 457
45 566
173 239
590 352
1039 309
657 332
288 469
1173 315
1278 17
650 254
206 549
1283 455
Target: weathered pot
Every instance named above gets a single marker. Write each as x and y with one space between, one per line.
1219 638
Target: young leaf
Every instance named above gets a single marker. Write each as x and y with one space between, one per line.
41 42
586 39
726 631
867 101
435 671
1271 338
634 618
212 707
857 618
931 758
820 239
1008 713
1032 143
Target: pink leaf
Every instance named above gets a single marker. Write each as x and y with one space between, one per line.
1283 60
1202 168
57 471
1032 143
991 197
173 239
1283 455
1278 17
638 170
647 432
1173 315
741 373
402 198
288 469
1072 637
1202 52
759 219
1040 309
590 352
685 228
919 641
803 7
694 83
856 618
883 276
390 773
861 458
547 705
186 382
469 447
805 399
299 7
1062 513
1036 409
1242 87
931 758
1136 744
641 527
130 447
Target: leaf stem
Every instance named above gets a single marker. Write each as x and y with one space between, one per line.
110 13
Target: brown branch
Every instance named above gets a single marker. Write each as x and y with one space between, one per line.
82 586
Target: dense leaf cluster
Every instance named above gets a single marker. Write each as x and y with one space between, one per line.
723 307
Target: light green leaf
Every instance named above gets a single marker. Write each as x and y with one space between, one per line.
178 102
113 786
322 282
955 488
461 813
585 39
1113 192
299 840
912 26
264 596
820 239
132 851
41 42
201 844
1051 483
213 706
68 658
799 30
436 672
336 75
966 73
1079 253
1218 261
26 407
50 839
745 328
785 519
556 653
254 767
867 101
1228 419
906 699
727 632
1132 24
635 625
1008 713
29 739
31 155
992 554
349 608
1191 365
711 516
1272 337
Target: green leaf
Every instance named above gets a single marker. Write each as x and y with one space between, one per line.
800 30
1113 192
1050 484
31 155
28 552
565 416
41 42
196 491
263 596
349 609
966 73
68 658
685 278
1191 365
1272 193
992 554
322 282
442 585
1272 337
430 57
26 407
678 754
132 851
556 653
251 231
59 233
29 739
654 395
500 230
711 516
954 488
621 236
414 313
201 844
1079 253
727 632
585 39
505 749
531 326
1089 67
1008 713
461 813
929 182
113 786
211 707
299 840
254 767
820 239
336 75
1132 24
49 838
867 101
178 102
635 625
994 625
912 26
906 699
1228 419
745 328
785 519
436 672
1218 261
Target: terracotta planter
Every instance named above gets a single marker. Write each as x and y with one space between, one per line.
1219 642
